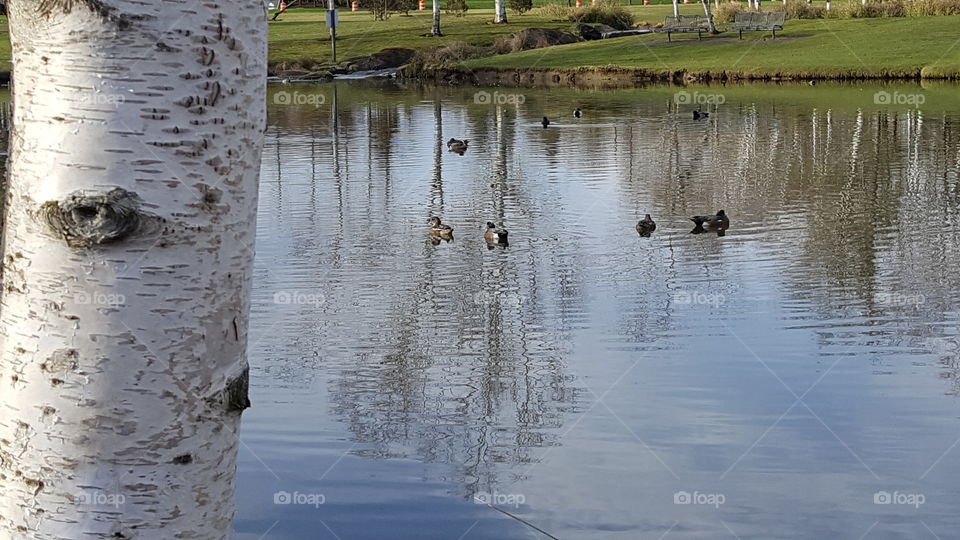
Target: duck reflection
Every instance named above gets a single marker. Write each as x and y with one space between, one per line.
699 229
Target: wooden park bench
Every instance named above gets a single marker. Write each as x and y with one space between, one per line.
684 24
758 21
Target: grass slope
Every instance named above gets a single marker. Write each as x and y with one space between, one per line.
806 48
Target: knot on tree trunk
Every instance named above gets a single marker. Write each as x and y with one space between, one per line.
84 219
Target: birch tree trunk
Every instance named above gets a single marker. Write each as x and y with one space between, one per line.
500 12
676 8
127 255
436 19
709 14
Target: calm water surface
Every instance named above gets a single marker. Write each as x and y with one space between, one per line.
783 378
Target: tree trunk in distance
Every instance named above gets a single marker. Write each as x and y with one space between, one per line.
436 19
709 13
500 12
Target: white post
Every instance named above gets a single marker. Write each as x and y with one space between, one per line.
128 251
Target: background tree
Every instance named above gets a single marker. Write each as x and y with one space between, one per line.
380 9
436 19
709 13
406 6
500 11
457 8
128 250
521 6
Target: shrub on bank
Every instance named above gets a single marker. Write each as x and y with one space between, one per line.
457 8
521 6
554 12
447 55
727 12
800 9
872 9
932 7
607 12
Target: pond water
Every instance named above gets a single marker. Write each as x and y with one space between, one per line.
795 377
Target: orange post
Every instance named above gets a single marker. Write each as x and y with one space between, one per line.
354 6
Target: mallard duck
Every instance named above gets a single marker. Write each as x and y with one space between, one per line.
577 113
495 234
699 115
439 229
545 122
646 225
458 146
718 220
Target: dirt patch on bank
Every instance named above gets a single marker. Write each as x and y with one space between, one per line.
612 77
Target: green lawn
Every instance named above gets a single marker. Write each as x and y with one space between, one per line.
829 47
301 35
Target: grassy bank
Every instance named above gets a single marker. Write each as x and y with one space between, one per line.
897 47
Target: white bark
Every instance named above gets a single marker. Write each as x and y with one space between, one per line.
676 8
709 15
500 11
128 245
436 18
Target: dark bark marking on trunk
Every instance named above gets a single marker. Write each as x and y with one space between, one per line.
236 396
83 219
46 8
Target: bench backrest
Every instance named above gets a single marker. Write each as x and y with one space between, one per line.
776 17
760 18
685 21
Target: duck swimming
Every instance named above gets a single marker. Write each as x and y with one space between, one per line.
495 234
439 229
699 115
458 146
577 113
646 225
545 122
719 220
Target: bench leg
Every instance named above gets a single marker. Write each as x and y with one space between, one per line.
741 34
774 34
668 37
698 36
